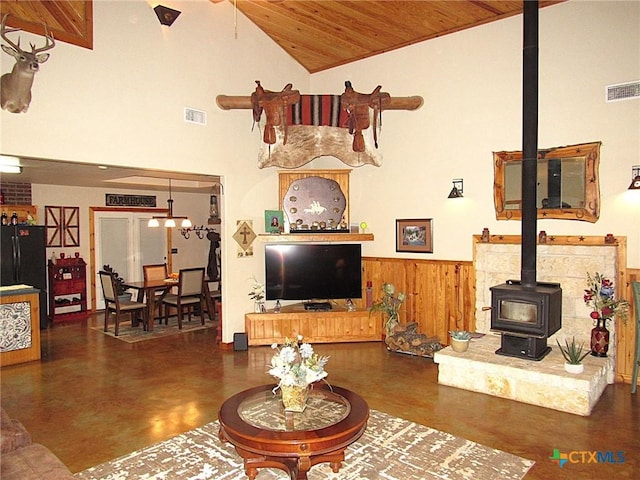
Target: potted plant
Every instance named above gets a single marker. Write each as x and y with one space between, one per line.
390 305
573 356
296 366
121 290
460 340
257 295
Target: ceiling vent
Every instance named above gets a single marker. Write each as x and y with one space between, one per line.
622 91
191 115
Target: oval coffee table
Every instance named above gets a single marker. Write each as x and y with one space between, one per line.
264 435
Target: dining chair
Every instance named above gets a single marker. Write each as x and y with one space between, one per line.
190 293
636 358
157 271
113 304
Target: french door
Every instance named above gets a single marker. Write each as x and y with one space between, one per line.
124 241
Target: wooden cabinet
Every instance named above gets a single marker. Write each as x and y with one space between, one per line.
19 324
67 290
336 325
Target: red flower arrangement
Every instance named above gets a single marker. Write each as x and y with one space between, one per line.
600 298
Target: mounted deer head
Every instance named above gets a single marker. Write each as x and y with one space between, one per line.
15 92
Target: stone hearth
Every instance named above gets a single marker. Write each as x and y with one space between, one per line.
544 383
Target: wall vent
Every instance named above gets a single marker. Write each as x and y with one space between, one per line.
622 91
191 115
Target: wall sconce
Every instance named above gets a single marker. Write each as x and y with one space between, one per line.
456 191
166 15
635 176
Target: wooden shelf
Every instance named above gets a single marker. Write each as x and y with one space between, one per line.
316 237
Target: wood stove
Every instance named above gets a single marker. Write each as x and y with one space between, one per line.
526 311
526 317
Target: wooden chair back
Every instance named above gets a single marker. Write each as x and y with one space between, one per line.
108 287
190 282
155 272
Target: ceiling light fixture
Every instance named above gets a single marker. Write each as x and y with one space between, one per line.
635 175
169 219
10 164
166 15
456 191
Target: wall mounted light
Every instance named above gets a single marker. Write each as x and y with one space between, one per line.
10 164
635 178
458 188
169 219
166 15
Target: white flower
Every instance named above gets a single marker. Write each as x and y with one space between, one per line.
306 350
297 364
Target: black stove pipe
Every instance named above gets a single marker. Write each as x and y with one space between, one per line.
529 143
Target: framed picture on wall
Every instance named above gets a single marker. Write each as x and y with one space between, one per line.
414 235
273 221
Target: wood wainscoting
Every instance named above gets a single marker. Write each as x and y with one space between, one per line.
440 293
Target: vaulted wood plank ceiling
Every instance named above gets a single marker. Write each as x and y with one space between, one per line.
318 34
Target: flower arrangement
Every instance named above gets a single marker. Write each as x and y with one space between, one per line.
257 290
296 364
389 304
600 298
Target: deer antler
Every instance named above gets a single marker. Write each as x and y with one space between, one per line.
4 31
48 36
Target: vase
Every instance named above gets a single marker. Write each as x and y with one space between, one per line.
573 368
459 345
294 397
599 339
392 321
258 307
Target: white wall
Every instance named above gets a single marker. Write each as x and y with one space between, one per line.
122 104
471 83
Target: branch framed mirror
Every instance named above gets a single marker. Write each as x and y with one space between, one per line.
568 186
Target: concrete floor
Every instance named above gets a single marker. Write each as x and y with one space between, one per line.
93 398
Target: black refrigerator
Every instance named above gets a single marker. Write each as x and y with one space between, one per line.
23 260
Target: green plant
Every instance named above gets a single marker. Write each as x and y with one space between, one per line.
120 288
460 335
257 290
389 305
572 352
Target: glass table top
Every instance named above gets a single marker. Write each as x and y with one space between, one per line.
265 410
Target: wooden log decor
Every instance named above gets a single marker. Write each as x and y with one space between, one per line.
299 128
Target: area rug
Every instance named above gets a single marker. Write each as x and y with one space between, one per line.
131 334
390 449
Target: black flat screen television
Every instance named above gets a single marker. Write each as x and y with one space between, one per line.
313 272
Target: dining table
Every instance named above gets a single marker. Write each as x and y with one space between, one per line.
148 289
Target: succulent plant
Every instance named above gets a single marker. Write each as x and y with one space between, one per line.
460 335
572 352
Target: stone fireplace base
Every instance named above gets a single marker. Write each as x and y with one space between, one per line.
544 383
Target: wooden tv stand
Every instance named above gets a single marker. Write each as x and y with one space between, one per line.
332 326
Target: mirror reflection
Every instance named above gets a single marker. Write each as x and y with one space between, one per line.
567 183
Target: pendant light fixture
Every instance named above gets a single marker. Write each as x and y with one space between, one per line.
169 219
